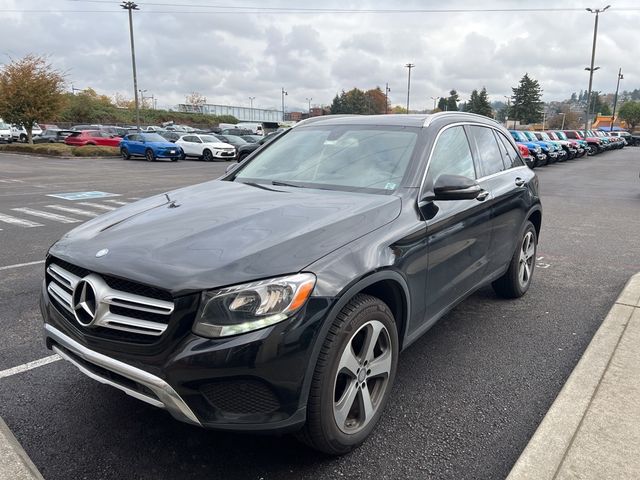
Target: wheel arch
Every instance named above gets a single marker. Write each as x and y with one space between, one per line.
535 217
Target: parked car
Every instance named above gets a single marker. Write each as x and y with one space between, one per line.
594 143
570 151
232 140
237 131
534 147
92 137
628 137
550 149
206 147
279 296
255 127
169 135
251 138
19 133
245 150
614 143
526 155
151 146
580 146
52 135
5 132
109 129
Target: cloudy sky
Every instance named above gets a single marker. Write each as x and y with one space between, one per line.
231 50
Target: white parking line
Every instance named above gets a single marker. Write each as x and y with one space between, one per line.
29 366
117 202
77 211
18 221
50 216
18 265
97 205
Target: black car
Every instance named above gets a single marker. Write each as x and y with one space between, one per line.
232 140
278 297
245 150
171 136
236 131
52 135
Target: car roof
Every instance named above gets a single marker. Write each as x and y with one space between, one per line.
403 120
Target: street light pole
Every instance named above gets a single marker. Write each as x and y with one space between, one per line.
386 98
283 94
142 97
130 6
251 99
409 66
591 69
564 115
615 99
435 99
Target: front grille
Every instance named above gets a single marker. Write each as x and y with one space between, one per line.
107 306
243 396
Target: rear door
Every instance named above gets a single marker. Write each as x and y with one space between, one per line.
458 231
505 176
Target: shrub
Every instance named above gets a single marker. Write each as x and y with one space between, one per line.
61 150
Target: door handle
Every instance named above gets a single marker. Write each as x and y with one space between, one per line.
482 196
519 182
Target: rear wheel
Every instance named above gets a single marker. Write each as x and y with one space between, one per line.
149 155
125 153
207 156
517 279
353 377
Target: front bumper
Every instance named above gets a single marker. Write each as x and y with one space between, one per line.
224 154
250 382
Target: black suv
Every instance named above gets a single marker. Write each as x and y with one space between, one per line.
278 297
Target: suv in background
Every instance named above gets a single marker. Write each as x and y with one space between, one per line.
19 133
278 297
5 132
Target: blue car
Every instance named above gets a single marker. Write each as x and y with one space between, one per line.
534 148
150 146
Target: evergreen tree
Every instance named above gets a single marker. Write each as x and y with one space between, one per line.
574 97
336 105
442 104
527 100
479 103
452 101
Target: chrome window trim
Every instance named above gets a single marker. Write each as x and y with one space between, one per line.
167 397
458 124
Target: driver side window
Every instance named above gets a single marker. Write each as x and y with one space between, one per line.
451 155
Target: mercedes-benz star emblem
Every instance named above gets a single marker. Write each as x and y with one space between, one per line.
84 303
102 253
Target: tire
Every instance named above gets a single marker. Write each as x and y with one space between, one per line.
23 138
149 155
207 156
125 154
174 159
183 156
338 426
517 279
242 157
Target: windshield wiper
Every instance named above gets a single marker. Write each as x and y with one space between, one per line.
285 184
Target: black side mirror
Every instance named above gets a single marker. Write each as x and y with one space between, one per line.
456 187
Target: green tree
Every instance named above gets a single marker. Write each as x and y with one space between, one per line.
452 101
336 105
479 103
31 90
630 113
442 104
526 101
376 101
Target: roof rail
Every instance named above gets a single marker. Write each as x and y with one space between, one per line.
309 120
435 116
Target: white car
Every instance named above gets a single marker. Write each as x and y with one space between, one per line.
19 133
5 132
207 147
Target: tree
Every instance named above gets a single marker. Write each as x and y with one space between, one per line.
630 113
336 105
376 101
442 104
399 109
479 103
196 99
526 102
359 102
452 101
31 90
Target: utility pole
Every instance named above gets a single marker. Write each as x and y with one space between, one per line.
615 99
409 66
591 69
564 115
386 98
251 99
309 101
130 6
142 97
283 94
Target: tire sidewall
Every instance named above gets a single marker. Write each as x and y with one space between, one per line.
372 311
528 227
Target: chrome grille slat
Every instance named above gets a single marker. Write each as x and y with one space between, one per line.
61 285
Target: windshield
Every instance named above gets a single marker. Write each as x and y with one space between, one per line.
342 157
210 139
518 136
544 136
4 126
153 137
530 136
561 135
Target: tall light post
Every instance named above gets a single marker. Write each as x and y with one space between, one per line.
615 99
591 69
506 117
251 99
564 115
130 6
435 99
309 102
283 94
386 98
142 97
409 66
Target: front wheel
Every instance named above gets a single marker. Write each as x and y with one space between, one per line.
207 156
125 153
353 377
149 155
517 279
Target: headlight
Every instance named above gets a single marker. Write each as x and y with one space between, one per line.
538 150
251 306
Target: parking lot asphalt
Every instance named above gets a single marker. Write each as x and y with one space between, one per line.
468 395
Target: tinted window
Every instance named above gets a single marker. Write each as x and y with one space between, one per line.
511 157
451 155
487 147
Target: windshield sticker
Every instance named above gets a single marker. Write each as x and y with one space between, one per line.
390 186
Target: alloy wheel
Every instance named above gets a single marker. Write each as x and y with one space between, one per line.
362 377
527 257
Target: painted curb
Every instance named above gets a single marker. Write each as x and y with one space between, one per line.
543 457
15 464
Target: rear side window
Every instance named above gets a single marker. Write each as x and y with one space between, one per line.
488 150
451 156
511 157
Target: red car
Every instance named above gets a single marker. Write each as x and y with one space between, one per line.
92 137
526 156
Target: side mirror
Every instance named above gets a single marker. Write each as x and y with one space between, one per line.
456 187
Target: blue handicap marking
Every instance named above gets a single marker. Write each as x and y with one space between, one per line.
82 195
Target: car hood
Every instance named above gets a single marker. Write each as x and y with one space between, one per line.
222 233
